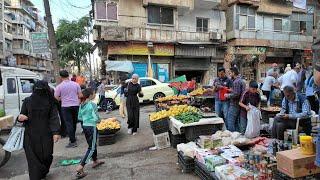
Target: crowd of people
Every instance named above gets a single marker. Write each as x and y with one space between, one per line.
295 87
49 114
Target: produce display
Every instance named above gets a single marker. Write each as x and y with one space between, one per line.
197 92
188 117
110 123
172 98
173 111
271 109
230 137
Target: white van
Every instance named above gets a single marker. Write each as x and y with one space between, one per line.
15 85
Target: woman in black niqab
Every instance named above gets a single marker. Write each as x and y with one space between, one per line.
42 125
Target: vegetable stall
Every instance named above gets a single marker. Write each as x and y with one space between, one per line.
206 149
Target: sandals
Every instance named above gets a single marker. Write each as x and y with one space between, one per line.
98 164
80 174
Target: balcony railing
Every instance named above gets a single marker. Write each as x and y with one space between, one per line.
283 39
157 35
175 3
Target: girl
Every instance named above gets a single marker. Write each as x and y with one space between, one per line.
88 114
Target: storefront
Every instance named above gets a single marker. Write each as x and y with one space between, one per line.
196 61
161 56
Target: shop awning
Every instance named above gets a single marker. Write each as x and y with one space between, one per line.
122 66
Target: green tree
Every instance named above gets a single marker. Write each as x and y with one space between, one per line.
70 41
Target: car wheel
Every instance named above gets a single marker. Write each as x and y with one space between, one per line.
108 105
158 95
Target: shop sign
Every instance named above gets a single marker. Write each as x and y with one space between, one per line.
39 42
251 50
140 49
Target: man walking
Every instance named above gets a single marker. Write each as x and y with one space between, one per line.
69 92
238 88
221 85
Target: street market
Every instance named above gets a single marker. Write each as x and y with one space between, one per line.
160 89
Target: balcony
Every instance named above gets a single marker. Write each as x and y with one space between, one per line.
249 2
275 39
20 51
156 35
174 3
8 35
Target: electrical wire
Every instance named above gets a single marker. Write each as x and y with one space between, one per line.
79 7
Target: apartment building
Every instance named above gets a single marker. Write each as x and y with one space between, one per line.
180 37
21 19
262 32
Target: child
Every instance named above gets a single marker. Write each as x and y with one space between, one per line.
89 117
252 97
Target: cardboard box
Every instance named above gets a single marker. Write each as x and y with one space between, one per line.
295 164
6 122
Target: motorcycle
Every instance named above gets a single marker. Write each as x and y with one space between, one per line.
4 155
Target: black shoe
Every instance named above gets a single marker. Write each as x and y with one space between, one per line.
72 145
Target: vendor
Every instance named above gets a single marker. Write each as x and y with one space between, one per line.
251 97
219 85
294 106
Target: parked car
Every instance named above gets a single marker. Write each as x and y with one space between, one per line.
151 88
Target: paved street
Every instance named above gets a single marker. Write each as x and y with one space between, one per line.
129 158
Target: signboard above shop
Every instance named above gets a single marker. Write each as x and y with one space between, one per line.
140 49
39 42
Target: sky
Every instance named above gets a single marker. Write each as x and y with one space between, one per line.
65 9
70 10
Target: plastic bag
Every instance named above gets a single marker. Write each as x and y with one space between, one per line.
253 123
15 140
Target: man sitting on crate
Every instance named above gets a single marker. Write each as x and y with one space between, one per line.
294 106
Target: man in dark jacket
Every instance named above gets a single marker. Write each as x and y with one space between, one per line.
294 106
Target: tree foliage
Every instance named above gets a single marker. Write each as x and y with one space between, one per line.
71 46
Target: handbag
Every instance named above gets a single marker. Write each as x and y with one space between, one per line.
16 137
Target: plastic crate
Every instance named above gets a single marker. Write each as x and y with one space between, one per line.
194 132
177 139
161 141
160 126
106 139
186 163
201 170
108 131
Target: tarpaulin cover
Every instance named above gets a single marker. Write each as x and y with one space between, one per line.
179 79
123 66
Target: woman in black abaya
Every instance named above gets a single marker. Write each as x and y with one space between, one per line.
40 117
132 91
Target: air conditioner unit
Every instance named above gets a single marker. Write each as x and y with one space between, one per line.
215 36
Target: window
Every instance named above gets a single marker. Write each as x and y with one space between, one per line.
277 24
202 24
146 83
27 85
245 18
160 15
106 11
11 86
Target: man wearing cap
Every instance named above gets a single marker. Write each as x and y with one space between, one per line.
69 92
220 86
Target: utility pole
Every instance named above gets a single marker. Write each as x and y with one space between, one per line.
52 39
89 53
